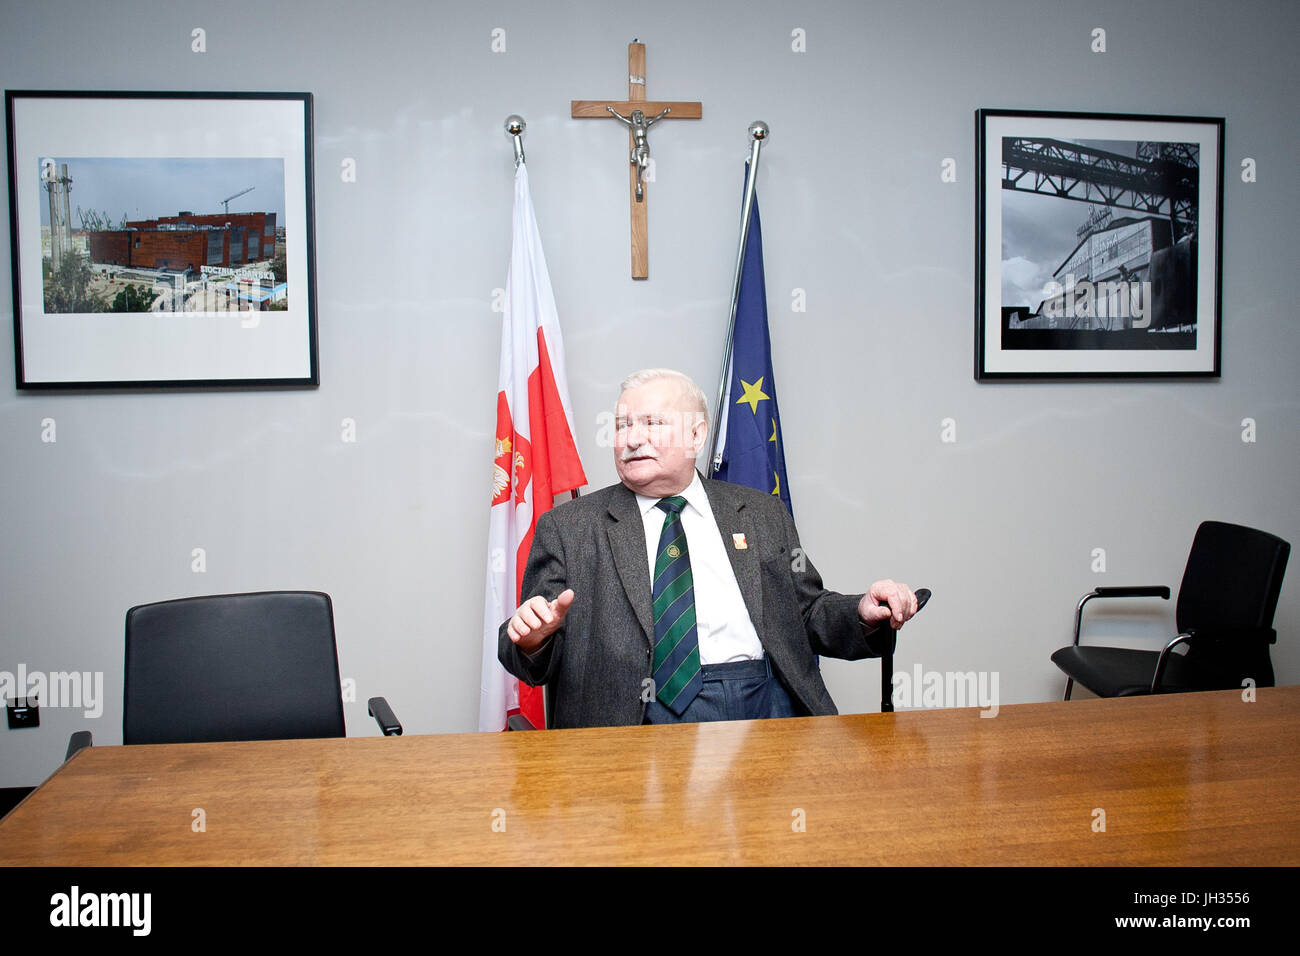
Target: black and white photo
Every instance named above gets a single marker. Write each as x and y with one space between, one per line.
1098 245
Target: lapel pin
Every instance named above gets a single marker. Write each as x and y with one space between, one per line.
738 539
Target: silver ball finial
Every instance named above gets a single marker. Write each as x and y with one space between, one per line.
515 124
758 129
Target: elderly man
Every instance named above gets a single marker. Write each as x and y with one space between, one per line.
670 597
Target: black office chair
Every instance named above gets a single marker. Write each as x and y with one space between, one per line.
259 666
1224 617
520 722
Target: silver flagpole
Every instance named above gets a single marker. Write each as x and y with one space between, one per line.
758 131
515 127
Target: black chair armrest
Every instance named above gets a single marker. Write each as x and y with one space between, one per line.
1151 590
1146 590
384 716
519 722
1163 659
79 741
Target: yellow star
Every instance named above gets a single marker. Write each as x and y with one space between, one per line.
773 438
777 489
753 394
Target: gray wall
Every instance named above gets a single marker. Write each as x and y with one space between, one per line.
1001 523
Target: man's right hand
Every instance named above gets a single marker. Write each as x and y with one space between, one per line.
537 619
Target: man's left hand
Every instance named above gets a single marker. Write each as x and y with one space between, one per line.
887 600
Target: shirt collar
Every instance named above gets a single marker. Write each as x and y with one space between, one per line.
693 493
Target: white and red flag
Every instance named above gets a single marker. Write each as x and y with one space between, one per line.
536 457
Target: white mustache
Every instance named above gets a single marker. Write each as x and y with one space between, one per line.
629 454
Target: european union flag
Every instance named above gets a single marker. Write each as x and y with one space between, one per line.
753 453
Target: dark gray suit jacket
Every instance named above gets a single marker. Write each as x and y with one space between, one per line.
599 661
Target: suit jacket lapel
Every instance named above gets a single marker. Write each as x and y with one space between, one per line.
733 518
626 534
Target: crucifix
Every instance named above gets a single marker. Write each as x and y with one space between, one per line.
638 114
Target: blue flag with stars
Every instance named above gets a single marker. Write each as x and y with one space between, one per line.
752 451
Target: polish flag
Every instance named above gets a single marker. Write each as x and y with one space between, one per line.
535 458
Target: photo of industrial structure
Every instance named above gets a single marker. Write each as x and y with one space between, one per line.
1099 244
138 250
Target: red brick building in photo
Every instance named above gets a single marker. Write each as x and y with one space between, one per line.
186 241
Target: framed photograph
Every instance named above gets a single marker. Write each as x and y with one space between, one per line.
1099 245
162 239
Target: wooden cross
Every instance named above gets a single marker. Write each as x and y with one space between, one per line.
651 111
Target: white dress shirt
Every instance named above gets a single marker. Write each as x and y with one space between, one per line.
721 619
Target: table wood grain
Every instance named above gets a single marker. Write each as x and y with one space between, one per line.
1185 779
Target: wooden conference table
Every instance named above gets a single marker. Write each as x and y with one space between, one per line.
1182 779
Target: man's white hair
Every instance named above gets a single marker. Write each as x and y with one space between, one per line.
690 390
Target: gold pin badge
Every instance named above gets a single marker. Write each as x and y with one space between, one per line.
738 540
674 551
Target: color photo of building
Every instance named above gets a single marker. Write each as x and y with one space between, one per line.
187 241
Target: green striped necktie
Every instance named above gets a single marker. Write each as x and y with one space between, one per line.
677 643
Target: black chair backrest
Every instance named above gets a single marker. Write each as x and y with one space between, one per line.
1233 578
259 666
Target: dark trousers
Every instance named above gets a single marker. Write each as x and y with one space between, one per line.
741 690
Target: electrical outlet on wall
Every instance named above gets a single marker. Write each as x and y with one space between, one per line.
23 712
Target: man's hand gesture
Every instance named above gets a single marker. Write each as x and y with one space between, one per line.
537 619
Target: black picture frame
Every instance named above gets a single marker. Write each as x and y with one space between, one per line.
1099 245
222 292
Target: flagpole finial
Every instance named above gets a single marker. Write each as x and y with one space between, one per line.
515 127
758 129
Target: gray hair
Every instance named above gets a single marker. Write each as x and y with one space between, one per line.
689 389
